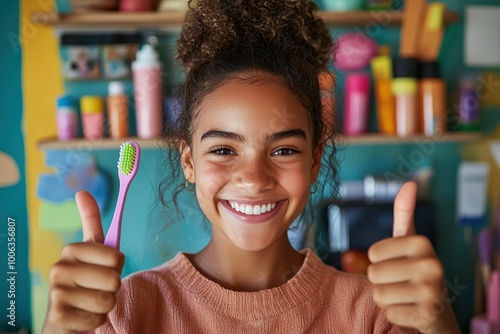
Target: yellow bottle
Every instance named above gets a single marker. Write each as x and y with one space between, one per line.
382 74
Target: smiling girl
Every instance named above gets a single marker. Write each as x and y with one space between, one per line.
250 141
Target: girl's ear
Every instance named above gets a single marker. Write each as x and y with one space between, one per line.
317 156
187 162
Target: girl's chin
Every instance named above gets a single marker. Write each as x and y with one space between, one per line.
251 245
250 238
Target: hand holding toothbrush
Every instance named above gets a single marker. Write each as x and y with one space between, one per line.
85 281
407 275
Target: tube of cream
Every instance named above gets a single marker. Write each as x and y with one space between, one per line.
432 99
404 88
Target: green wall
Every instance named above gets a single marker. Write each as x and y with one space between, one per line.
13 198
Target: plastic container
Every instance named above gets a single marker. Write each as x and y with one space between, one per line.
354 51
468 114
379 189
148 89
489 323
357 100
92 110
172 107
117 110
136 5
432 99
405 87
386 114
327 85
67 118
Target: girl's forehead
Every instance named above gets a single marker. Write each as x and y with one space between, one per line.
246 107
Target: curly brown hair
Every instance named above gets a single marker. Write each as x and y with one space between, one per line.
254 41
214 26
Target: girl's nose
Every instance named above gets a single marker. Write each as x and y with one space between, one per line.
255 175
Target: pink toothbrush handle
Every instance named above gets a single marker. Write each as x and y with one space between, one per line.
113 235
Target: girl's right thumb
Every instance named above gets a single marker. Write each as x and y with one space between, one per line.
91 217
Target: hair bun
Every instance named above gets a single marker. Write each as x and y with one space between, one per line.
214 25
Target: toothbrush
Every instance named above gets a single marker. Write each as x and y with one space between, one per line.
127 168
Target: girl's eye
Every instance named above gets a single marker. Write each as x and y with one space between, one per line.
222 151
284 151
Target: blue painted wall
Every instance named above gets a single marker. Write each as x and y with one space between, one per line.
13 198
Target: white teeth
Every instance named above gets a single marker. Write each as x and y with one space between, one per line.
252 209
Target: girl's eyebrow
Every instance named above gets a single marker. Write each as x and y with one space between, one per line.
222 134
297 133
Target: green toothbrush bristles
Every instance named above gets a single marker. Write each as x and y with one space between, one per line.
127 158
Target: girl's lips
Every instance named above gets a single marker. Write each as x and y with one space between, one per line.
253 219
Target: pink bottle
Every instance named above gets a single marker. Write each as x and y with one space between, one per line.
148 93
357 98
489 323
136 5
92 110
67 118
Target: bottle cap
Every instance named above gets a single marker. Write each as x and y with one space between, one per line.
429 70
91 104
358 82
116 88
326 80
146 57
381 68
66 101
404 86
384 50
405 68
147 53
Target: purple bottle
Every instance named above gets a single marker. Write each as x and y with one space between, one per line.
469 107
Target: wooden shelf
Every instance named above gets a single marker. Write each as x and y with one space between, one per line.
373 18
97 144
378 139
175 19
109 19
369 139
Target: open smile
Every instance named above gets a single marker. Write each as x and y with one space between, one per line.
250 209
253 213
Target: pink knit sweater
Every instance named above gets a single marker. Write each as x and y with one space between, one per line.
176 298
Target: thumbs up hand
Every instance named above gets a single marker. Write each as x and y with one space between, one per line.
84 282
408 277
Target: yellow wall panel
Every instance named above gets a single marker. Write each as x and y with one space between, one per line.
42 83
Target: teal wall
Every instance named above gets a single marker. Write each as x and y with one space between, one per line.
13 198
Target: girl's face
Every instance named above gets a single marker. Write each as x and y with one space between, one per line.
253 162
